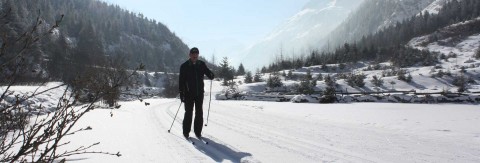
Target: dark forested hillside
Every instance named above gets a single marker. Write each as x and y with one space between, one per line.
91 33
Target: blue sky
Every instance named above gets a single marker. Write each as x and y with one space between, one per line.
220 27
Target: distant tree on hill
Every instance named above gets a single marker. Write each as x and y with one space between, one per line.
402 75
461 82
226 71
307 85
290 74
376 81
241 70
274 80
320 77
329 92
257 77
356 80
393 83
248 77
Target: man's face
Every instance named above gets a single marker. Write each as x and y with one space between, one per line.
194 57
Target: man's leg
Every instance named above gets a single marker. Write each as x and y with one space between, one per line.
198 122
187 118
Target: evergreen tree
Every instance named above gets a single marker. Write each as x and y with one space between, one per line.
309 75
258 77
461 82
330 91
376 81
274 81
320 77
248 77
307 85
226 71
290 74
241 70
393 84
264 70
401 75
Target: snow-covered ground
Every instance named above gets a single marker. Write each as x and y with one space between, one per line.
44 102
246 131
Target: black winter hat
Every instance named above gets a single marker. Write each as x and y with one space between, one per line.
194 50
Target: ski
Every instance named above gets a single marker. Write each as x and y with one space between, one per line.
189 140
201 139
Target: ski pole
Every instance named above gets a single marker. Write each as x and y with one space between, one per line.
175 116
208 115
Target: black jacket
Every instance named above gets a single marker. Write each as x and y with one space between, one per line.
191 78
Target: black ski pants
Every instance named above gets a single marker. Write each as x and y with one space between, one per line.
187 119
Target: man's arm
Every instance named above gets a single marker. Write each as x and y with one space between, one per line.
209 73
181 84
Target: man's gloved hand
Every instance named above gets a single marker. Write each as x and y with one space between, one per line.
182 97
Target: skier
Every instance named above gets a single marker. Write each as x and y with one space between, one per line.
191 91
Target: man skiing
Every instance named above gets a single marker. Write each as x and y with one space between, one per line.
191 91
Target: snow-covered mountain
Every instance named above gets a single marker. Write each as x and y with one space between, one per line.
305 30
434 7
374 15
403 9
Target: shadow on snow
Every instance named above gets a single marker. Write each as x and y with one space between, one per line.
220 152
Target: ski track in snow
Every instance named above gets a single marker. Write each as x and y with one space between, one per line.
251 132
216 149
287 143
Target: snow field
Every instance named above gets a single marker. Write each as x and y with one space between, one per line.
246 131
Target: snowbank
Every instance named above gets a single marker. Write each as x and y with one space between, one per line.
43 103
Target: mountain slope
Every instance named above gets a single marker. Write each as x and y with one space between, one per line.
93 33
305 30
374 15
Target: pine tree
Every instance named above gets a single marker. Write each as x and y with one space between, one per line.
393 83
241 70
248 77
274 81
307 85
320 77
290 74
330 91
226 71
376 81
461 82
356 80
258 77
401 76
